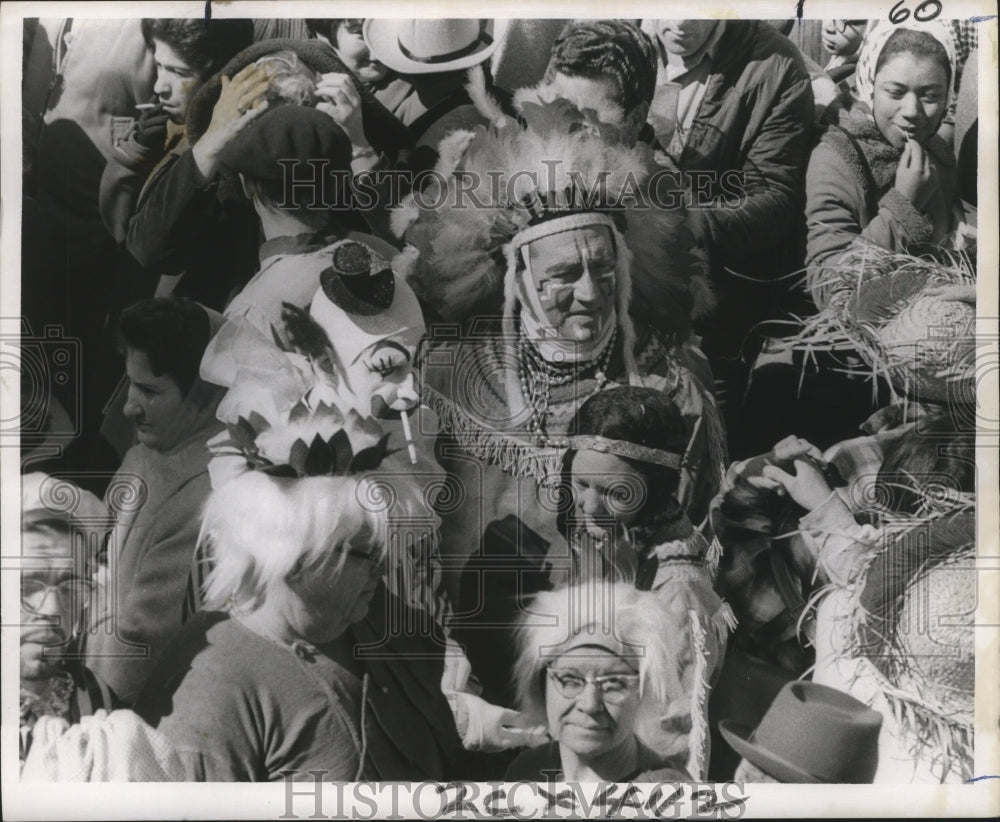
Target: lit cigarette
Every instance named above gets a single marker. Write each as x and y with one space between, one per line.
145 106
409 438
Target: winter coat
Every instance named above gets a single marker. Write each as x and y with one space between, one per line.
149 560
850 194
755 118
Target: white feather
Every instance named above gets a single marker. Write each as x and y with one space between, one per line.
400 219
485 103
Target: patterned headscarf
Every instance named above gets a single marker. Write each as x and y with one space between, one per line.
878 35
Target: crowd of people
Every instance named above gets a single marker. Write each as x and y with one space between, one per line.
500 399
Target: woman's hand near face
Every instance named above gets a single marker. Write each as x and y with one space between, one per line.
916 175
340 99
241 101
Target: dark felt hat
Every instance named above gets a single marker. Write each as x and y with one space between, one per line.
286 133
383 130
811 733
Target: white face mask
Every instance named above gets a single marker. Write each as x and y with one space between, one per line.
381 379
373 349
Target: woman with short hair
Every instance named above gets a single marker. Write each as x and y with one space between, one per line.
605 668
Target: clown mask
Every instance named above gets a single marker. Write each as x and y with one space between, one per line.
374 324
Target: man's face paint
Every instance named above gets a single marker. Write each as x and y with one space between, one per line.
573 275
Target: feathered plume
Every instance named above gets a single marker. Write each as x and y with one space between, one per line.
460 232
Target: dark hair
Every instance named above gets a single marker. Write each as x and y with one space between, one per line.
172 332
917 43
616 49
328 28
934 455
205 45
643 416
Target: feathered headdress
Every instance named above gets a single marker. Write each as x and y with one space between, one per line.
501 186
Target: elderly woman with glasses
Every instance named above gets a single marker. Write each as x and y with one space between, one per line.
266 681
602 665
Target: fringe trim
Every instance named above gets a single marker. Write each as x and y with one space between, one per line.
713 557
698 740
948 741
725 621
512 455
623 301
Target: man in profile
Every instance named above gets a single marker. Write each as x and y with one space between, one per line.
159 490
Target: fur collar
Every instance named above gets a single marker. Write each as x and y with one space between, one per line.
882 157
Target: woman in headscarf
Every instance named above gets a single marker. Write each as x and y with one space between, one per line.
881 173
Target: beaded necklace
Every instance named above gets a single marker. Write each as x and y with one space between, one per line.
538 377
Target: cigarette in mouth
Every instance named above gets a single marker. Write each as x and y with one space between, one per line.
145 106
409 438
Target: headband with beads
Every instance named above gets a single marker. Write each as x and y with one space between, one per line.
621 448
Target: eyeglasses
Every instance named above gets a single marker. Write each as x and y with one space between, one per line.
614 688
71 592
843 25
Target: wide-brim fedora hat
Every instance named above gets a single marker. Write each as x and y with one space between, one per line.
811 734
431 46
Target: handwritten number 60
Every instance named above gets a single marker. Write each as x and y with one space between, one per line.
927 10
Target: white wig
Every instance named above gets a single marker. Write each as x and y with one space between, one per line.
258 528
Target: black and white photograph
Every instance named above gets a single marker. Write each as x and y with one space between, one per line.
563 416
